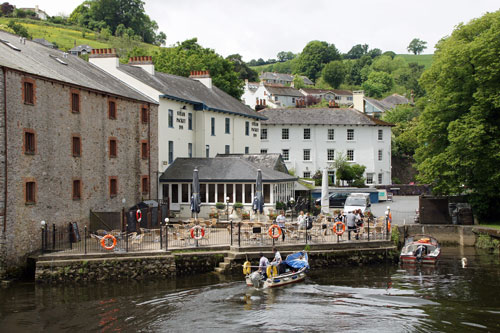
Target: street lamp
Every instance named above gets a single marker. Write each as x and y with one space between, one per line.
227 208
292 202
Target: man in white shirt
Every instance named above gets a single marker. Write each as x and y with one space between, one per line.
280 221
263 263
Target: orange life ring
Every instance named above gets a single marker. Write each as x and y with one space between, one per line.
336 230
138 215
199 235
103 242
271 231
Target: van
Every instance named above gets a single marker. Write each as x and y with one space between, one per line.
357 201
336 199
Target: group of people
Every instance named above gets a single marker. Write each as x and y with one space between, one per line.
353 220
277 261
304 221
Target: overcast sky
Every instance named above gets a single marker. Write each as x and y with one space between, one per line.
262 28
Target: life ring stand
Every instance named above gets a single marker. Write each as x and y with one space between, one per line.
247 269
271 231
138 215
336 230
198 235
105 238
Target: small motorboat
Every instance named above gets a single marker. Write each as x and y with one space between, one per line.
295 266
422 249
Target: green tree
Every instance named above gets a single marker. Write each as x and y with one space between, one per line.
314 56
242 68
459 130
298 82
354 75
333 73
6 9
377 84
357 51
19 29
416 46
285 56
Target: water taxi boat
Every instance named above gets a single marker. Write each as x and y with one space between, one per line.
422 249
296 266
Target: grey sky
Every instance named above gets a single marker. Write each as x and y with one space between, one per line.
262 28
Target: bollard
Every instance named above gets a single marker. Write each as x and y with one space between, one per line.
53 236
85 239
126 237
239 234
43 245
161 237
231 232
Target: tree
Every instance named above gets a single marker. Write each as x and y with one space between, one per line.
459 129
377 84
333 73
298 82
242 68
357 51
6 9
314 56
19 29
284 56
416 46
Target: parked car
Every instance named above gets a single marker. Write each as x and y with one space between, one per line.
337 199
358 201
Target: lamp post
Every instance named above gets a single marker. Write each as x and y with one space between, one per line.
227 208
44 238
166 233
292 202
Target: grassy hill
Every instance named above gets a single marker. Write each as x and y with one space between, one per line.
66 37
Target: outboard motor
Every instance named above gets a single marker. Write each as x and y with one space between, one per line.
256 279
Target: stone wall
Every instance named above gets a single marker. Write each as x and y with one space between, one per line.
53 166
189 263
2 177
445 234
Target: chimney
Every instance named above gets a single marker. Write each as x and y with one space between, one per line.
106 59
203 77
145 62
358 99
292 85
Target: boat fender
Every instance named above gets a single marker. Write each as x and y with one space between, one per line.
271 271
271 232
336 230
246 268
197 232
104 241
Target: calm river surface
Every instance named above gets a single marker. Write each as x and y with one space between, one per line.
371 298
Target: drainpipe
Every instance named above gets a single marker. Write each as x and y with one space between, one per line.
5 135
149 149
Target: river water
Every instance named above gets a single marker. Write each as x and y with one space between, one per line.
371 298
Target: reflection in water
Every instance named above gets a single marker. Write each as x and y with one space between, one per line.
370 298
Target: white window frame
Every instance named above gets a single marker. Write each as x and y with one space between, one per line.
263 151
350 134
286 154
369 178
332 151
308 151
380 154
306 174
350 152
308 135
380 178
332 136
285 134
380 135
263 133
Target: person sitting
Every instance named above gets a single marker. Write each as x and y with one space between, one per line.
280 221
263 263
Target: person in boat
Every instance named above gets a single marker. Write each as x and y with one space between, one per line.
277 261
281 221
301 220
263 263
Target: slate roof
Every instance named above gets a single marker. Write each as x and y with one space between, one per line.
44 42
269 160
306 80
317 91
192 91
283 77
39 60
342 92
221 169
80 48
283 91
317 116
396 99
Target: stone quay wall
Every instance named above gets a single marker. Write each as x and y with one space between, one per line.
453 235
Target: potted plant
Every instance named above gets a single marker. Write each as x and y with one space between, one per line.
220 205
272 216
213 215
245 215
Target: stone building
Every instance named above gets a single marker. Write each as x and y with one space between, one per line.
72 139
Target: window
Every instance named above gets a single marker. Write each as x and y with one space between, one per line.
211 192
165 191
337 98
229 192
284 134
307 174
330 153
30 192
144 184
203 192
285 154
276 98
190 150
380 135
170 152
113 147
248 193
331 134
29 142
228 126
239 192
331 176
207 151
220 193
369 178
144 115
350 155
293 100
113 186
380 178
247 128
171 118
76 146
263 151
247 150
307 134
307 154
75 101
349 98
350 134
77 189
190 121
212 126
380 152
263 133
28 91
227 148
111 109
267 193
144 150
175 193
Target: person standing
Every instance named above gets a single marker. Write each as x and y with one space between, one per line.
263 263
351 223
301 220
277 261
281 221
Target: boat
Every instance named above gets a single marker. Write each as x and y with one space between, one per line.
297 264
422 249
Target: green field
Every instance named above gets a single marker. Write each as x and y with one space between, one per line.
421 59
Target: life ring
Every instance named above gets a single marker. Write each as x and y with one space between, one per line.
271 231
200 234
103 242
138 215
247 269
271 271
336 230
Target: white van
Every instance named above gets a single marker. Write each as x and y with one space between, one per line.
357 201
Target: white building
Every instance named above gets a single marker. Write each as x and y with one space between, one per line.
309 139
282 78
270 95
343 97
195 118
374 107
